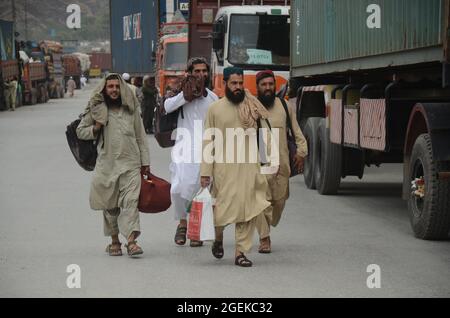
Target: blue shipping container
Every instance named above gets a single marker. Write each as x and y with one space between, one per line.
7 44
133 36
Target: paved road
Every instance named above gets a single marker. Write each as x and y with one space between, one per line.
322 247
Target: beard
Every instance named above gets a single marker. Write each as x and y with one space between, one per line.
235 98
267 100
112 102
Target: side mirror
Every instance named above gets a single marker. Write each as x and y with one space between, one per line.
218 35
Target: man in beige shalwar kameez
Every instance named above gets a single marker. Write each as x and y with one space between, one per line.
122 156
71 86
239 188
278 183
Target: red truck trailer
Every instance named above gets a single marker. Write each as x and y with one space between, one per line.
35 83
72 67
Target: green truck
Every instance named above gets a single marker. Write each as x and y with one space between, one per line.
371 80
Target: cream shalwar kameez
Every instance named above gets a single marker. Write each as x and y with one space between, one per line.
122 151
279 185
239 188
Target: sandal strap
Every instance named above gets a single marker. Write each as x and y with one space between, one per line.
242 260
182 229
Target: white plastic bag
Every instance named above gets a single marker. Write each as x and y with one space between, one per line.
201 218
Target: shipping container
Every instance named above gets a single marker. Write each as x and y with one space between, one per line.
337 36
7 43
8 59
133 36
372 85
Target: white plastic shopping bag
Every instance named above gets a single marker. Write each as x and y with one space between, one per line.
201 218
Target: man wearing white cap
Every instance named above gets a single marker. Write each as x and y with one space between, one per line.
127 78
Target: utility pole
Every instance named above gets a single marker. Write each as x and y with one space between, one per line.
26 20
13 7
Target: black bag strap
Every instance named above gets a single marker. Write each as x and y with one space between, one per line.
100 134
262 154
288 118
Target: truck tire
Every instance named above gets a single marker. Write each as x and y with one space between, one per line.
34 96
310 133
430 215
327 163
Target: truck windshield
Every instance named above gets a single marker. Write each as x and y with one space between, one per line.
259 40
176 56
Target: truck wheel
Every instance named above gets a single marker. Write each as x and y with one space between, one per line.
429 201
34 96
328 162
310 133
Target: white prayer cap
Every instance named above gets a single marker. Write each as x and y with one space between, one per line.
126 76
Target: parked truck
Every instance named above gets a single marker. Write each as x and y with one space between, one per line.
253 35
72 68
372 82
34 80
171 55
34 71
133 36
52 51
100 63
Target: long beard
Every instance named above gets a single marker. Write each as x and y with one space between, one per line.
267 100
113 102
234 98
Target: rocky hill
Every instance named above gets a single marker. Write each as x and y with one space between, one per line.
39 19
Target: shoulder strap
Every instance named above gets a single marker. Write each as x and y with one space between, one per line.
288 117
261 152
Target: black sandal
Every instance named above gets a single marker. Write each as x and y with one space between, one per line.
217 249
243 261
180 235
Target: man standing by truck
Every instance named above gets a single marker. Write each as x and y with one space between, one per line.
10 93
279 183
186 172
149 93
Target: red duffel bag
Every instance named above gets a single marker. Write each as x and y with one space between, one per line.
155 195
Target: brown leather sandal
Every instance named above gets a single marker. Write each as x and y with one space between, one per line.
114 249
242 261
180 235
133 249
264 247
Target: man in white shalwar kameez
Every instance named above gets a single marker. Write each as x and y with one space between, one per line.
187 152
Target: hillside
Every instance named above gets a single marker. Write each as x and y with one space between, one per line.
47 19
